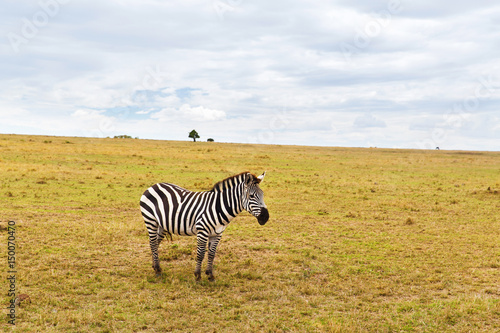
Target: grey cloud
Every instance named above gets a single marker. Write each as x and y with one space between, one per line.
369 120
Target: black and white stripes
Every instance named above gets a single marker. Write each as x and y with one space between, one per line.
169 209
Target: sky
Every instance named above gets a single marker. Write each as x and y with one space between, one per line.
368 73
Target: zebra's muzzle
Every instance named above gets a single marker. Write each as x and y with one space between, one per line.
263 217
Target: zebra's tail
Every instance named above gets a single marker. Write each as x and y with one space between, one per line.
170 236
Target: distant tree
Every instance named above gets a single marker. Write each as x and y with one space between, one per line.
123 137
210 140
194 135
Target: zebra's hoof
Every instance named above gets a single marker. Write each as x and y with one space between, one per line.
211 276
157 270
197 275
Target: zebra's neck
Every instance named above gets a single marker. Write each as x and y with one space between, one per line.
227 198
229 183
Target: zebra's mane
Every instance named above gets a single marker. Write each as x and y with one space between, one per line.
219 186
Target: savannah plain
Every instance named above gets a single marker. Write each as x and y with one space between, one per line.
358 240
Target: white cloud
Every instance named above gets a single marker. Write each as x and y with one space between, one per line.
368 120
188 112
200 113
93 122
88 115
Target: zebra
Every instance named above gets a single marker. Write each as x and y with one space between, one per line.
170 209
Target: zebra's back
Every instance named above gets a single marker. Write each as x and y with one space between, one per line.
174 208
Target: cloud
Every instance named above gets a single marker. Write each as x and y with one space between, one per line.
88 115
201 113
93 122
188 112
368 120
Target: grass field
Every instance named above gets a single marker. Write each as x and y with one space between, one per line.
359 240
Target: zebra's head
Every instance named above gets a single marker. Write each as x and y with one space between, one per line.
253 198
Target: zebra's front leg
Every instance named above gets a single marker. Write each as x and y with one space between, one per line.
213 241
202 239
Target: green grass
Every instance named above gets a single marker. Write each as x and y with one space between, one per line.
359 240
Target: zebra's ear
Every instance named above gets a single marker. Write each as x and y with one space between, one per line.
249 178
261 177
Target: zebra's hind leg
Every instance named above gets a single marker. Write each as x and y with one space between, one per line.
153 243
212 248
